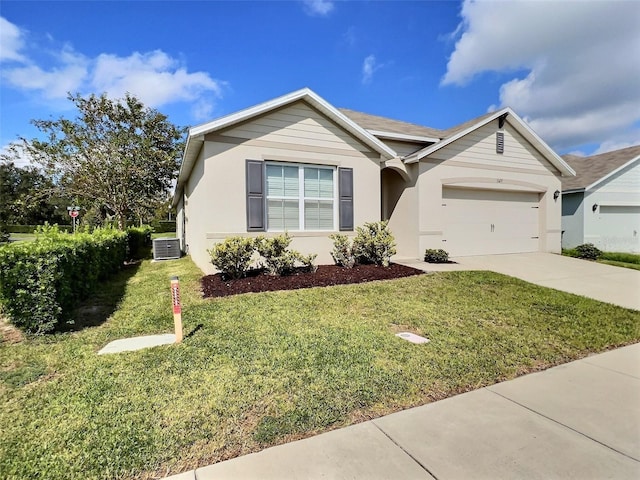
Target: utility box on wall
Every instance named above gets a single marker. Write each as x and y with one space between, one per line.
166 248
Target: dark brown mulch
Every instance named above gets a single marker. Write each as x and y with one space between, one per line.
326 275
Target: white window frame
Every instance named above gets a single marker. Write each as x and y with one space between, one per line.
301 198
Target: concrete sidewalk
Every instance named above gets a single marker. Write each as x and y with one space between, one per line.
579 420
617 285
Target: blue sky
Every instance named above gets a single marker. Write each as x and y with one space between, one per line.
569 68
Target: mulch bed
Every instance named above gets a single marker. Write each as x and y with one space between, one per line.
326 275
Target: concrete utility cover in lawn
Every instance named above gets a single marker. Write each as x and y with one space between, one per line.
138 343
412 337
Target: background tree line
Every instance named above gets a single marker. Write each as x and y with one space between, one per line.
116 159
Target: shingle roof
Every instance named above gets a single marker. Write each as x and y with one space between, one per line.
374 122
383 124
463 126
591 169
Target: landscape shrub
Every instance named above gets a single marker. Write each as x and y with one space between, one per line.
588 251
436 255
138 241
233 256
374 243
276 256
342 252
42 281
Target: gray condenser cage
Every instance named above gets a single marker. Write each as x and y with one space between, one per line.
166 248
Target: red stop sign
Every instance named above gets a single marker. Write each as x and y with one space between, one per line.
73 213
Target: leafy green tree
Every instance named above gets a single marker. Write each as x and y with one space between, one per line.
117 157
27 197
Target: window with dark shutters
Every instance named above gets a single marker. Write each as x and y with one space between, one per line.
255 196
345 192
273 192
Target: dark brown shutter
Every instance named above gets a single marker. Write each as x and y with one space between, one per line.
499 142
345 193
255 196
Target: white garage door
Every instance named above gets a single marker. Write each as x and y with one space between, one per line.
483 222
619 228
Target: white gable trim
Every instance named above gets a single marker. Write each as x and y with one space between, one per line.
195 138
403 137
517 123
308 96
612 173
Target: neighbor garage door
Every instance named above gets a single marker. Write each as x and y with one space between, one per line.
482 222
619 227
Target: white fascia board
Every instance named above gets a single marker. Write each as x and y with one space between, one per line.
519 125
420 154
191 149
526 131
302 94
610 174
573 190
403 137
195 139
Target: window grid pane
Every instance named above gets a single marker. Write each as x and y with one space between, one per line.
318 215
289 190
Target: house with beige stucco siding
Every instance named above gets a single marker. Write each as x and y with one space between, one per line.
300 165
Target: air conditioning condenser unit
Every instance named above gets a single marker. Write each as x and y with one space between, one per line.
166 248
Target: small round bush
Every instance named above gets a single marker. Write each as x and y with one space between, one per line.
233 256
436 255
588 251
342 252
374 243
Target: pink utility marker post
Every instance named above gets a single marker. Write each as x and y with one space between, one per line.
177 308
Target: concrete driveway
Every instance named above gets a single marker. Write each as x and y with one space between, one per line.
617 285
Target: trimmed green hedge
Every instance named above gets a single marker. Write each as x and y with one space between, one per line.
42 281
164 226
139 241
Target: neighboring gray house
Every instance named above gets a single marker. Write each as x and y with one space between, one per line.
601 204
299 164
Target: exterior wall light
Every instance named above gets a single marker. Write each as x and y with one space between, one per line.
595 207
556 194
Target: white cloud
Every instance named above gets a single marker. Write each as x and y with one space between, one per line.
15 153
318 7
68 76
580 83
155 77
11 42
369 67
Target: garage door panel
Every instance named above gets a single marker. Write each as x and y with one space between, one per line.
480 222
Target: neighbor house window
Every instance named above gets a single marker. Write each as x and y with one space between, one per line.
300 197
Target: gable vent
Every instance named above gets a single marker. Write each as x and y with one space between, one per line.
499 142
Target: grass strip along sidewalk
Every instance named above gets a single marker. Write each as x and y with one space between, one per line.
261 369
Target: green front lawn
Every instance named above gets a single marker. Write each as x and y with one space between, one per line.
261 369
22 237
617 259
